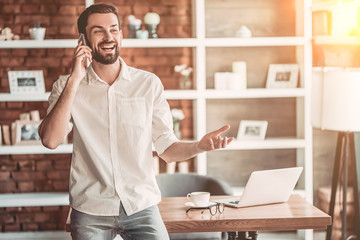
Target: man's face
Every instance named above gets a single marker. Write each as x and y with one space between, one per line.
104 37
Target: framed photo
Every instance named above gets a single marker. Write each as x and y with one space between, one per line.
26 132
252 130
282 76
24 82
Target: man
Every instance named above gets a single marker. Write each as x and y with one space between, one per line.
117 112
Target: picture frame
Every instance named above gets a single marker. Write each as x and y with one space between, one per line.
282 76
26 132
252 130
25 82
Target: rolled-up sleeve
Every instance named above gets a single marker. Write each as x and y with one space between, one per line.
162 126
56 91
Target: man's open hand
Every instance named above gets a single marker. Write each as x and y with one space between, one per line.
213 140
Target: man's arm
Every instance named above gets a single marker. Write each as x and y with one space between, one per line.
52 129
180 151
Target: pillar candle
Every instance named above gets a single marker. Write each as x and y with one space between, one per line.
240 68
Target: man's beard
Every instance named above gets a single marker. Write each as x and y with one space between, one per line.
108 58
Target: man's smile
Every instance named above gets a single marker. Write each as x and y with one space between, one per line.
108 47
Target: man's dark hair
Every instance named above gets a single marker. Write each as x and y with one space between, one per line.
96 8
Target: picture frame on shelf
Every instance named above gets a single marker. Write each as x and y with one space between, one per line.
25 82
282 76
26 132
252 130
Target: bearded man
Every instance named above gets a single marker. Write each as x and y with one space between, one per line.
116 113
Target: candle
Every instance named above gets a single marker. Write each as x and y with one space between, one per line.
240 68
142 34
152 18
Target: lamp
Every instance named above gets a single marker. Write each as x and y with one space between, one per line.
336 107
152 21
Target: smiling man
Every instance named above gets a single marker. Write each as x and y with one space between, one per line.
116 112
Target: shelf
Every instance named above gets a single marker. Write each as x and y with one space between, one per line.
8 97
49 43
336 40
169 94
254 41
164 42
160 42
42 235
71 43
270 143
255 93
181 94
34 149
34 199
334 4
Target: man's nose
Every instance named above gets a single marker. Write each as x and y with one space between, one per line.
107 36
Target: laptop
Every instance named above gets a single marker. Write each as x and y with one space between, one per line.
266 187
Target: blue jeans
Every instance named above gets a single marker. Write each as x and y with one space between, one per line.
146 224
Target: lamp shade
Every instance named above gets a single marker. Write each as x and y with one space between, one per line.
336 99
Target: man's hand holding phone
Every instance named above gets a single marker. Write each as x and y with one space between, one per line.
81 54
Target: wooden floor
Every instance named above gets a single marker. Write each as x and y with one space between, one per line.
59 235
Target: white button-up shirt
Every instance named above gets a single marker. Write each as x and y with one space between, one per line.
114 129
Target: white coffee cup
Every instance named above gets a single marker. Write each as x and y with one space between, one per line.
199 198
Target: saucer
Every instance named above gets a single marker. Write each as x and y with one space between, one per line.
191 204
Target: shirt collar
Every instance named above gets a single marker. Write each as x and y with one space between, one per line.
124 74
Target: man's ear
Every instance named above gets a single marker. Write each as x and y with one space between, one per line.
121 34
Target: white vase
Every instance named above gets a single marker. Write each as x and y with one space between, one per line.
183 167
170 167
177 129
37 33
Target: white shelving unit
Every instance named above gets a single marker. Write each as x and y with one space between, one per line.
302 142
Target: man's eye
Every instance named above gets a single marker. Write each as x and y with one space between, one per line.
97 31
114 30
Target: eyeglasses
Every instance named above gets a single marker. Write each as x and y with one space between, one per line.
212 208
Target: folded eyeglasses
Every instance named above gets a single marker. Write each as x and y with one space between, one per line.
214 208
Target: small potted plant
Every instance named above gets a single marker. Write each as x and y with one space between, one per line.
37 32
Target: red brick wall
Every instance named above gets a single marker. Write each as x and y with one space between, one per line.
49 173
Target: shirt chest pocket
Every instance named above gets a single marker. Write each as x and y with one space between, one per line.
133 111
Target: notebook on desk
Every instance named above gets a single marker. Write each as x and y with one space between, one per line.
266 187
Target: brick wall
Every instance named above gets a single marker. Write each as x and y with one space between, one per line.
49 173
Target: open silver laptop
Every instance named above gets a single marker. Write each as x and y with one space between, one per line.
266 187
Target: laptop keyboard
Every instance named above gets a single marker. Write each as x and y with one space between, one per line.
234 202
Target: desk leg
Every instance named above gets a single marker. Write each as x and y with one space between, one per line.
251 235
242 236
231 235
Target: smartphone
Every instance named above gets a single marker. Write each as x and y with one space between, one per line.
82 39
83 43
